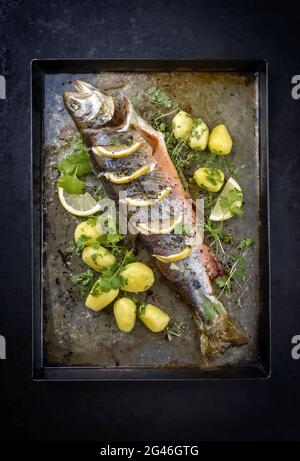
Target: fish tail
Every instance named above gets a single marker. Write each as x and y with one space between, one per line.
219 335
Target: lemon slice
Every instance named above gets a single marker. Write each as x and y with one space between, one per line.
175 257
78 205
142 202
116 151
220 213
159 227
123 179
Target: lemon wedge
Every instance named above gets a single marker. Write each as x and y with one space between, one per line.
123 179
78 205
117 151
159 227
176 256
221 213
143 202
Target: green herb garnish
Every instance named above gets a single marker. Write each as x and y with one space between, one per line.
210 310
70 183
228 203
217 235
111 279
77 247
74 166
158 98
111 241
175 329
115 142
85 280
245 243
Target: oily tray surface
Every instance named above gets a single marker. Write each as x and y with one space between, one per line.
76 336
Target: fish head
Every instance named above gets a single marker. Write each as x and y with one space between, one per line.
88 106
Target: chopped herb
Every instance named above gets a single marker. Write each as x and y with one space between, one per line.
141 307
217 235
85 280
224 283
232 169
77 247
211 160
115 142
98 193
175 329
210 310
94 258
111 241
245 243
129 141
158 98
213 175
239 267
133 100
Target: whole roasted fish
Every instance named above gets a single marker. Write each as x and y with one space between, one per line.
147 178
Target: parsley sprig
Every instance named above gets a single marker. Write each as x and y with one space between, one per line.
85 280
77 247
74 166
238 269
158 98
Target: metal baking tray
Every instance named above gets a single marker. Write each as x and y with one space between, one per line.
68 342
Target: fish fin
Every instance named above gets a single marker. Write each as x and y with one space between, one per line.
219 335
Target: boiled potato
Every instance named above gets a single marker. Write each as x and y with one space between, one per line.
139 277
199 135
220 142
97 299
98 257
89 229
125 314
182 124
210 179
154 318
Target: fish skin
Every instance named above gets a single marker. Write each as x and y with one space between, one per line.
192 275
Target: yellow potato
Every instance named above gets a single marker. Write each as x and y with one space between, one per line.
97 300
98 257
199 135
182 124
139 277
88 229
210 179
125 314
154 318
220 142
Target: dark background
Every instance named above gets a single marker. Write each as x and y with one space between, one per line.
253 410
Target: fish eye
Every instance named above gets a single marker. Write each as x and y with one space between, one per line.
74 105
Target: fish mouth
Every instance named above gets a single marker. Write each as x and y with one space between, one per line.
84 87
